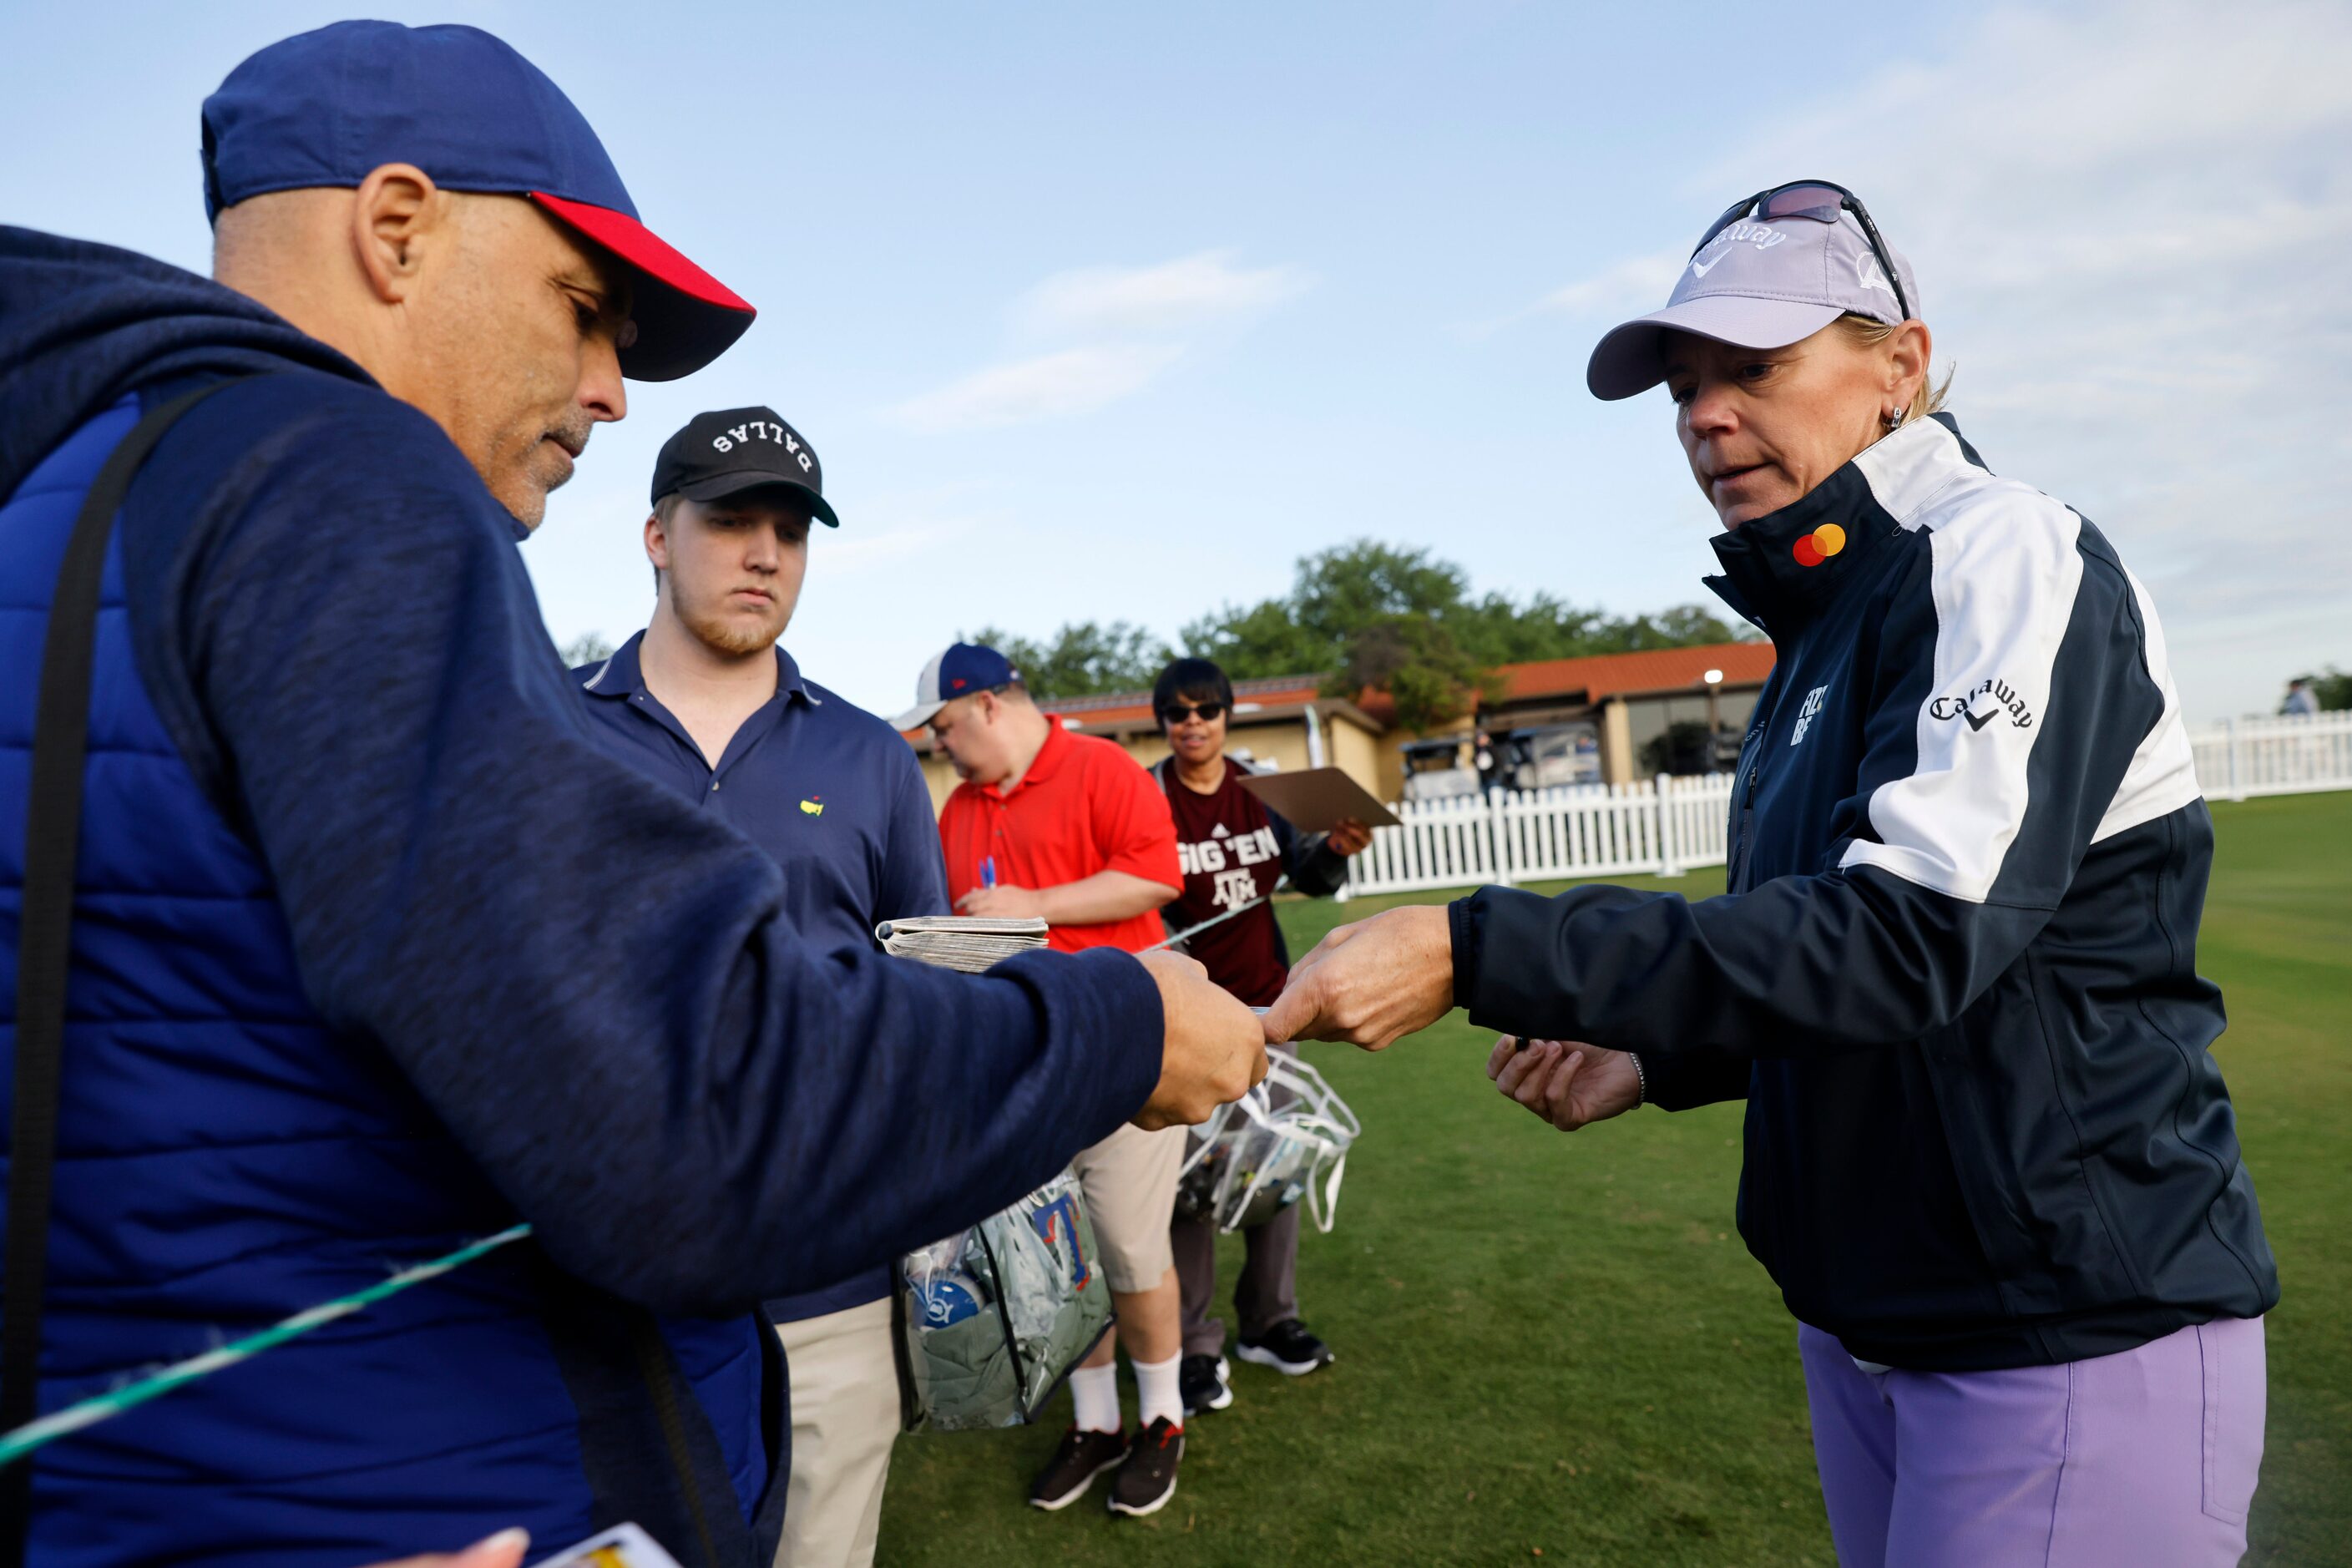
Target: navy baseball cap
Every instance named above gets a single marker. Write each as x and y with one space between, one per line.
965 668
326 108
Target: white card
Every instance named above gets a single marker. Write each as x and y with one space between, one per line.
622 1546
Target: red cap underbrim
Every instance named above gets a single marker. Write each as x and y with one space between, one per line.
685 317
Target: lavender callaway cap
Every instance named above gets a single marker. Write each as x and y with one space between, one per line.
1758 286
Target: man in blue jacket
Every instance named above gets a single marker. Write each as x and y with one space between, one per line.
376 950
706 702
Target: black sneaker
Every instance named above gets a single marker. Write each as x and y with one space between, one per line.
1148 1479
1203 1381
1082 1456
1287 1348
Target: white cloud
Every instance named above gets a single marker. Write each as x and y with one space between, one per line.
1072 381
1638 283
1126 324
1626 288
1173 297
864 551
2131 227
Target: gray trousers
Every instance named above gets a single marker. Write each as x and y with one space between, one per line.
1266 1294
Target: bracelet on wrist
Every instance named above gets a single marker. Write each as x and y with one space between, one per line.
1641 1079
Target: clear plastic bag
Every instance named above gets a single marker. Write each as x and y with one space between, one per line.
1285 1139
998 1315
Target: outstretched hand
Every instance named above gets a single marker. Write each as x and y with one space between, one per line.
1211 1051
1566 1082
1371 984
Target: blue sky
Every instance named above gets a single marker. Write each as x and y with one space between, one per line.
1113 313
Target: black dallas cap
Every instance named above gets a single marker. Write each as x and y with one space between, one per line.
731 450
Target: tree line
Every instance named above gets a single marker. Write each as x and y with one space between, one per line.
1362 613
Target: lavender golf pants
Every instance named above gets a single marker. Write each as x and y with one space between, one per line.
2144 1458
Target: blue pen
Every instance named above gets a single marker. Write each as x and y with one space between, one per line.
988 871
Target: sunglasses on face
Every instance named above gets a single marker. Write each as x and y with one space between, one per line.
1819 201
1178 712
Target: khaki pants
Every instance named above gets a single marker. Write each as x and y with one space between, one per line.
1129 1181
845 1398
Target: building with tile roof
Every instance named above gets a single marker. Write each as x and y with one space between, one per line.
1558 720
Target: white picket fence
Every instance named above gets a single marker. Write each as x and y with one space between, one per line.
1667 826
2241 757
1588 830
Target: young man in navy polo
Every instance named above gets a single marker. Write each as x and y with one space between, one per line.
705 701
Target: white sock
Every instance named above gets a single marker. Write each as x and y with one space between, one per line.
1094 1392
1158 1392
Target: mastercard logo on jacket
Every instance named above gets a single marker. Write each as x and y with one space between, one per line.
1819 545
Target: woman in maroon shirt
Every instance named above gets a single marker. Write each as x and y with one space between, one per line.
1233 850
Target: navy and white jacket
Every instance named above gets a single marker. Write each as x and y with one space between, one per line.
1955 978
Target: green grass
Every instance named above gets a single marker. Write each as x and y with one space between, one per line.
1555 1346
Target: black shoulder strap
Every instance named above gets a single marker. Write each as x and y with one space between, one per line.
648 1449
52 836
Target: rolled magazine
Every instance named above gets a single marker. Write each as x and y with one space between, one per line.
968 942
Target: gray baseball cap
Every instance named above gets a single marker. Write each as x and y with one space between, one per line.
1758 286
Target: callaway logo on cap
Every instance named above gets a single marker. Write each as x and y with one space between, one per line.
963 669
1764 281
328 108
737 449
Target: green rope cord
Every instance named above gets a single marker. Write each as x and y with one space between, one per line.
15 1446
74 1417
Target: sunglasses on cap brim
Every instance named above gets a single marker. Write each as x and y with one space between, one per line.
1819 201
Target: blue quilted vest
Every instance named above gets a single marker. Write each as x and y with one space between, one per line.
225 1158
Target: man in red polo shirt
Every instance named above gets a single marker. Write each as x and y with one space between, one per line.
1070 828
